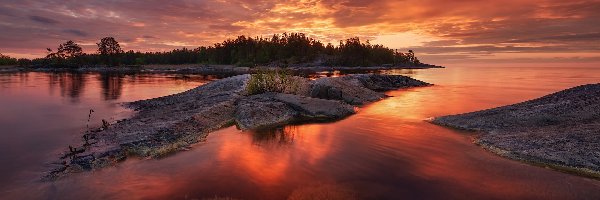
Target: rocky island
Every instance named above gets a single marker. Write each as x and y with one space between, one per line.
560 130
172 123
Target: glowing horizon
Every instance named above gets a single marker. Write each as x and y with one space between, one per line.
440 31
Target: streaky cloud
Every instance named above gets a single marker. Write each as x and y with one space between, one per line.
43 20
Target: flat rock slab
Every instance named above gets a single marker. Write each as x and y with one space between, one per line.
560 129
261 111
273 109
171 123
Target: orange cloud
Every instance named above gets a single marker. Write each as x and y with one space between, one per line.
436 29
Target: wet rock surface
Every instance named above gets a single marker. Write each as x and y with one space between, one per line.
172 123
560 129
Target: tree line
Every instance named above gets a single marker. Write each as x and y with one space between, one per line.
280 49
7 60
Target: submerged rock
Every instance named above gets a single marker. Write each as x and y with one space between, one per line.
560 129
171 123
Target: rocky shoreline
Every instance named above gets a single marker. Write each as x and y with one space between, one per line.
172 123
560 130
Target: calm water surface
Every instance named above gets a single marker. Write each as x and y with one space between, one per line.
386 151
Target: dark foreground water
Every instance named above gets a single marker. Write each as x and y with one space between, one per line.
386 151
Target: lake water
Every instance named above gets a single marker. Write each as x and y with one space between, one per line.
386 151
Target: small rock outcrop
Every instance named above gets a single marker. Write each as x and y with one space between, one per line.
272 109
171 123
560 129
359 89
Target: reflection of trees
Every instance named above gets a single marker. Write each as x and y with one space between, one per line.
406 72
10 78
23 77
327 73
199 77
279 135
112 85
70 84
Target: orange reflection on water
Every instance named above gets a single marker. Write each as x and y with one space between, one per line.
255 161
385 151
268 158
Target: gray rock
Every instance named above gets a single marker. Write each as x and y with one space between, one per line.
560 129
360 88
85 162
163 125
313 109
262 110
347 88
274 109
379 82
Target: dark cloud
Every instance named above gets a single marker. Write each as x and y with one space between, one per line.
7 12
43 20
76 32
584 37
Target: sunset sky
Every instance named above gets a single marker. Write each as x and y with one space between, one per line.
440 31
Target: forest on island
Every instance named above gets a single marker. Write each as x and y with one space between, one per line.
279 50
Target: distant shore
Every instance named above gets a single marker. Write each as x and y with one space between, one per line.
203 68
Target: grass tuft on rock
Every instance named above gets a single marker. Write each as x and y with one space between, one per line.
272 80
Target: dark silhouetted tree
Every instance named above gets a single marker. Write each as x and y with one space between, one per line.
411 56
7 60
110 51
69 50
67 55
